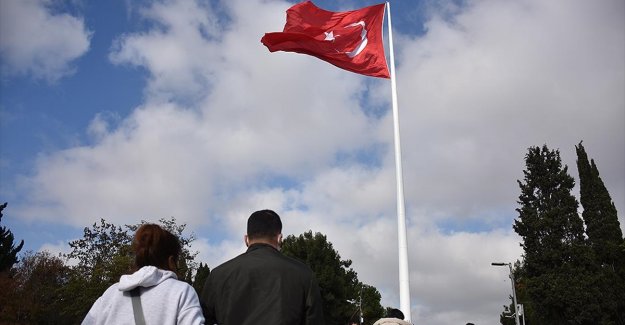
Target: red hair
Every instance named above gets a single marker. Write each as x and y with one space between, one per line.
154 245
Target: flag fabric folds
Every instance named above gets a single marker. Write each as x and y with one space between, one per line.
350 40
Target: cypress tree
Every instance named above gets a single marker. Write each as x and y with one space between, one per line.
600 215
605 238
558 264
8 251
203 271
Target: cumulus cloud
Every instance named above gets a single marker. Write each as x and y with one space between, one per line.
176 52
38 42
481 87
228 128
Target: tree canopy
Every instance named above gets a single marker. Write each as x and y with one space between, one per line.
338 282
600 216
36 291
563 278
604 237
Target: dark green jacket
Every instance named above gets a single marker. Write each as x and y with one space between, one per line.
262 287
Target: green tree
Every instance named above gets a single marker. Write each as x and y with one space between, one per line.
36 295
600 215
203 271
372 310
367 304
338 282
558 263
605 236
8 251
102 255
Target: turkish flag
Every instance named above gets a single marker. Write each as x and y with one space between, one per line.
350 40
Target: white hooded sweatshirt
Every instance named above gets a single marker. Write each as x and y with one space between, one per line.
164 299
391 321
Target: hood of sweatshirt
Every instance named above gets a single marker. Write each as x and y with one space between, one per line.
147 276
391 321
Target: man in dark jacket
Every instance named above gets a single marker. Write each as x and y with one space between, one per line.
262 286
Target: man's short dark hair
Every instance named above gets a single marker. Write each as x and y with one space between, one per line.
394 313
263 224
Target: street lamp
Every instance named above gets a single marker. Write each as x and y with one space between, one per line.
359 302
516 307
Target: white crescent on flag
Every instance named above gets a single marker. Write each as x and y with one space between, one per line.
363 38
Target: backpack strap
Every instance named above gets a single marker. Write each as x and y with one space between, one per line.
136 306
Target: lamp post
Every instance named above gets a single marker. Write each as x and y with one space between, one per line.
516 307
359 302
360 306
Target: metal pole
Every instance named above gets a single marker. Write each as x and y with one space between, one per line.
361 320
516 306
404 275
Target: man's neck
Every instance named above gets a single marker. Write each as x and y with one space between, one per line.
271 243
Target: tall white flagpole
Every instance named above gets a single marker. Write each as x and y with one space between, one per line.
404 276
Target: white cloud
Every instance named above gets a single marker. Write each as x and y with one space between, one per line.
58 249
176 52
35 41
216 253
476 92
228 128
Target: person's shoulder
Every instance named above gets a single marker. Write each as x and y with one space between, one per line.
276 257
294 261
109 295
112 290
227 265
296 264
175 284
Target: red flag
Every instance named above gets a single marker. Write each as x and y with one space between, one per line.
350 40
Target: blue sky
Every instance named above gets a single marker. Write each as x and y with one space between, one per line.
131 110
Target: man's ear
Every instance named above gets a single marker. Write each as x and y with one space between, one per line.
279 241
247 240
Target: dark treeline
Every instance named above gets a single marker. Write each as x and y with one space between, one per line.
41 288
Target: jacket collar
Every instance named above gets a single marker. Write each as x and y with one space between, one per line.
256 246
